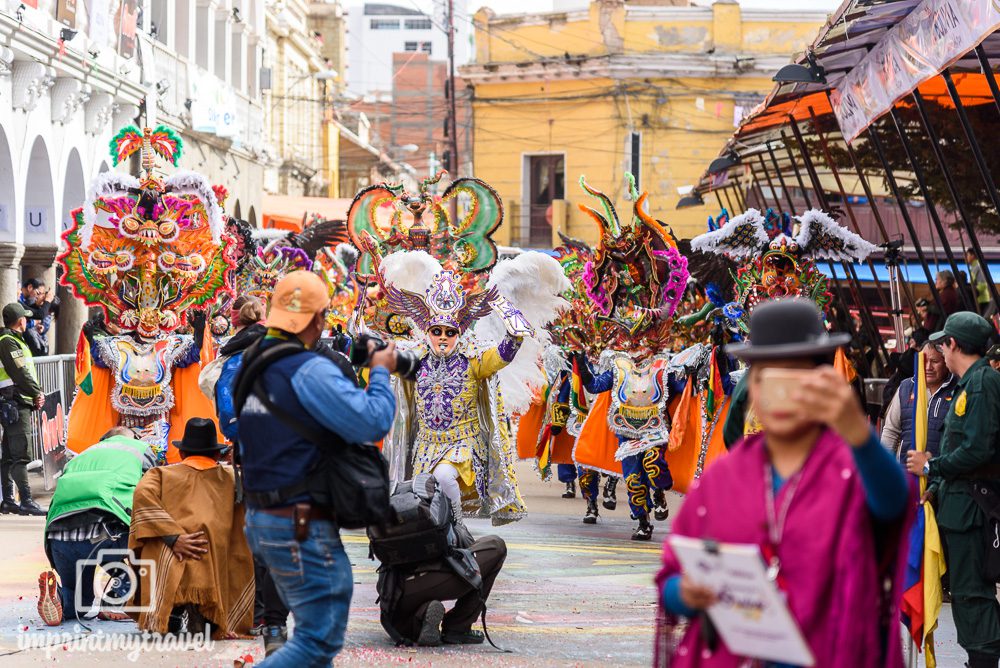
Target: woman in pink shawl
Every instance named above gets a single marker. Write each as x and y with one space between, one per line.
815 490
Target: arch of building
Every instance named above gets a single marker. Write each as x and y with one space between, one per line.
39 197
8 193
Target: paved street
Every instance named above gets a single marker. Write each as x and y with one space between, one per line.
570 594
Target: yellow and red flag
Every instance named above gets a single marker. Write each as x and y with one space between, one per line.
922 593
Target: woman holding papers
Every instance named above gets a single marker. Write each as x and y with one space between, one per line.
821 499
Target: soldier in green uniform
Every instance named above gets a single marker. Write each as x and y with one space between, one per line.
970 452
20 389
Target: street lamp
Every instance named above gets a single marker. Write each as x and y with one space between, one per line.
723 163
688 201
811 72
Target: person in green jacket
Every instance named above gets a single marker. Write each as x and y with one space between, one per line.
980 283
970 454
88 520
20 391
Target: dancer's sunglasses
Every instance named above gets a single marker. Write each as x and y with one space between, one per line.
442 331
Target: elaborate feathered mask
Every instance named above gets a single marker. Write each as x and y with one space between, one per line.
778 261
638 276
147 250
399 220
444 303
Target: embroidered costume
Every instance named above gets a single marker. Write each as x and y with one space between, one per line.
777 261
636 280
146 251
421 271
776 255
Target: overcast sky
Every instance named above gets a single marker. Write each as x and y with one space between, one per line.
518 6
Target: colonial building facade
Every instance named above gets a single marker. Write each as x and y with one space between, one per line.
651 87
72 74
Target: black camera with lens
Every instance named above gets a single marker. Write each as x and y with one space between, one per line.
407 363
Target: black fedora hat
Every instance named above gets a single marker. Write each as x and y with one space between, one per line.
199 438
787 328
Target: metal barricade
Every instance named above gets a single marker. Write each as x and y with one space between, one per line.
56 376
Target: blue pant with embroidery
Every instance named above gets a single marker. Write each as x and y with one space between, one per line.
644 473
589 483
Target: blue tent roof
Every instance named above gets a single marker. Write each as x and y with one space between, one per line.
909 271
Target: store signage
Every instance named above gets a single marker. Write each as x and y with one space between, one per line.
212 108
35 217
929 39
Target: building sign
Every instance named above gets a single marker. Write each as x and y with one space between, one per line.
35 220
127 22
212 108
929 39
66 13
50 433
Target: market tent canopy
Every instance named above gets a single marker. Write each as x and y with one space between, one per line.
286 212
972 87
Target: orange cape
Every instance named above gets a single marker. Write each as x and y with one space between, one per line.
92 415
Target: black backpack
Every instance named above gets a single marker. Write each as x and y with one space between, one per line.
419 528
351 478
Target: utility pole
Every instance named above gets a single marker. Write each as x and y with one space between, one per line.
452 127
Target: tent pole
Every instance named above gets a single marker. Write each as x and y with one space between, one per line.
984 171
738 195
770 184
964 290
781 179
731 209
798 174
984 62
901 203
758 189
866 317
847 205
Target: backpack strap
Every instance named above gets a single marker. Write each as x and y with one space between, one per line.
250 380
255 362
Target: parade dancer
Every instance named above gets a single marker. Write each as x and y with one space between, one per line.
776 256
636 279
637 417
455 417
147 252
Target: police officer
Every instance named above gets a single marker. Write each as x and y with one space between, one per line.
970 454
19 389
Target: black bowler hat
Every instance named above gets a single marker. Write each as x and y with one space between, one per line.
787 328
199 438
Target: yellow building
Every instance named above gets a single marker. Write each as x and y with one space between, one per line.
648 87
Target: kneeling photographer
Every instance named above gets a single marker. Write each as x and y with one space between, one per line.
426 558
307 471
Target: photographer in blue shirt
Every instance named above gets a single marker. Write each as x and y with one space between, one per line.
297 538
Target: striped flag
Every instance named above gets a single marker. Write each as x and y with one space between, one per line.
82 376
922 593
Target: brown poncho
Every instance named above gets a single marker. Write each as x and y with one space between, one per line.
194 495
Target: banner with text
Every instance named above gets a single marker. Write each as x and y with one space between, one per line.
932 37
